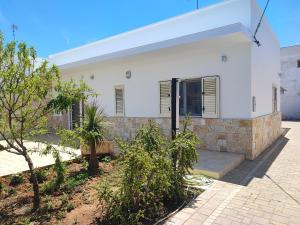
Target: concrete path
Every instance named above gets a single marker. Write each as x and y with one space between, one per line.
264 191
11 163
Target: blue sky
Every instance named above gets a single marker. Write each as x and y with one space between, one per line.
56 25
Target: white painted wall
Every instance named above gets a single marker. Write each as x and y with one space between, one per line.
189 61
250 71
290 80
265 68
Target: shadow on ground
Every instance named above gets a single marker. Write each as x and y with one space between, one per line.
247 170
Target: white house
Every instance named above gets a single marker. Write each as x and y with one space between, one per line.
228 84
290 82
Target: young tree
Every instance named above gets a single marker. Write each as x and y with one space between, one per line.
92 133
27 100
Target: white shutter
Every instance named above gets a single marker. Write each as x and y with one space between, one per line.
165 98
210 97
119 98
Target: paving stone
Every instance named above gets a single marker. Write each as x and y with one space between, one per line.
271 195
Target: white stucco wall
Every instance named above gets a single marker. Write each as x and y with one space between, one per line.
290 80
265 64
188 61
249 71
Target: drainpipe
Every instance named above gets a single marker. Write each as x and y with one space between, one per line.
174 107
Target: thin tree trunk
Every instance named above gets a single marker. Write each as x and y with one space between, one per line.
35 184
93 162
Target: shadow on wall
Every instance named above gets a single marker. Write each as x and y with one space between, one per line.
243 174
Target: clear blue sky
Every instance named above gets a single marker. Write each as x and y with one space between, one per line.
56 25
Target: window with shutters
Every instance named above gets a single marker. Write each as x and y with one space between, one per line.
119 101
190 101
200 97
210 97
165 98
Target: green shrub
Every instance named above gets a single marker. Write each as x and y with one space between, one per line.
49 187
184 155
1 186
73 183
70 206
145 179
64 199
41 176
60 171
152 175
16 179
48 207
106 159
65 202
26 221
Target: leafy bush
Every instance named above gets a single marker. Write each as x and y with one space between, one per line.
73 183
1 186
16 179
41 176
64 199
152 175
48 207
26 221
106 159
184 155
70 206
145 179
60 171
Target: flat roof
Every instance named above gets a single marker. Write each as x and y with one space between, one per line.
227 17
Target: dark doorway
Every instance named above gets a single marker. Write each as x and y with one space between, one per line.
76 113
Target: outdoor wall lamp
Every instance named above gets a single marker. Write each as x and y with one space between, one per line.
128 74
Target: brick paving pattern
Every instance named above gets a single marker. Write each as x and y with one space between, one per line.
264 191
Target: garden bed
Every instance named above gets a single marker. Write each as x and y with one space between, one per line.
75 202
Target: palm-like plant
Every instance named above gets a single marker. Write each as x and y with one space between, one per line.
92 133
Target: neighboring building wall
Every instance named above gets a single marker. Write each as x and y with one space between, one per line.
290 81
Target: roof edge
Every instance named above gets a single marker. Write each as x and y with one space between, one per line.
209 7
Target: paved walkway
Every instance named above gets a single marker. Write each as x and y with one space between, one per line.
264 191
11 163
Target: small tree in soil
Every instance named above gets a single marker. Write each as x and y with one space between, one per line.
27 101
92 133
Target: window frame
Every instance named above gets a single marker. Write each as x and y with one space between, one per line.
185 96
119 87
218 91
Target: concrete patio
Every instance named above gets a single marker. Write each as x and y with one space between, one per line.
11 163
216 164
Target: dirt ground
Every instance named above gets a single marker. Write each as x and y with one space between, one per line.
77 204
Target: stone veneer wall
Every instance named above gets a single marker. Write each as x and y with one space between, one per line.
248 137
265 130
